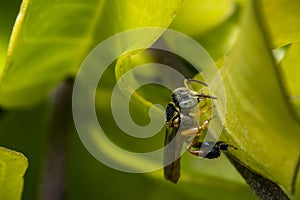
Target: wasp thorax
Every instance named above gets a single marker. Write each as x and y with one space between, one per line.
184 99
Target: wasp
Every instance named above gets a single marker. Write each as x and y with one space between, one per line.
181 126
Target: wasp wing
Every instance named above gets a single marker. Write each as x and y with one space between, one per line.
173 145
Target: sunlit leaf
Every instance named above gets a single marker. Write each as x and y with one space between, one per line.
8 13
214 24
199 16
258 120
290 70
51 39
282 19
12 168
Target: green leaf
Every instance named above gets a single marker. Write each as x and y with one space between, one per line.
8 14
199 16
220 40
282 19
258 120
214 24
51 39
12 168
290 71
26 130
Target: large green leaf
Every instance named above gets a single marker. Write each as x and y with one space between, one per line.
259 120
12 168
199 16
290 70
51 39
214 24
282 19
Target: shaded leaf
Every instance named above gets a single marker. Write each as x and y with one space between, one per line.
196 183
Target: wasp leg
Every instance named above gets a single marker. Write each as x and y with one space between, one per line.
195 131
210 149
202 112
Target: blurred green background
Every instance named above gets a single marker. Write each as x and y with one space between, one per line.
51 39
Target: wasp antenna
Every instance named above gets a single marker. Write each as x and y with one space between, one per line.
206 96
196 81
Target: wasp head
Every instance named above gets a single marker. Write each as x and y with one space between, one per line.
183 98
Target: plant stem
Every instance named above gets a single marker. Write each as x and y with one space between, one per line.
53 182
264 188
296 171
1 113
